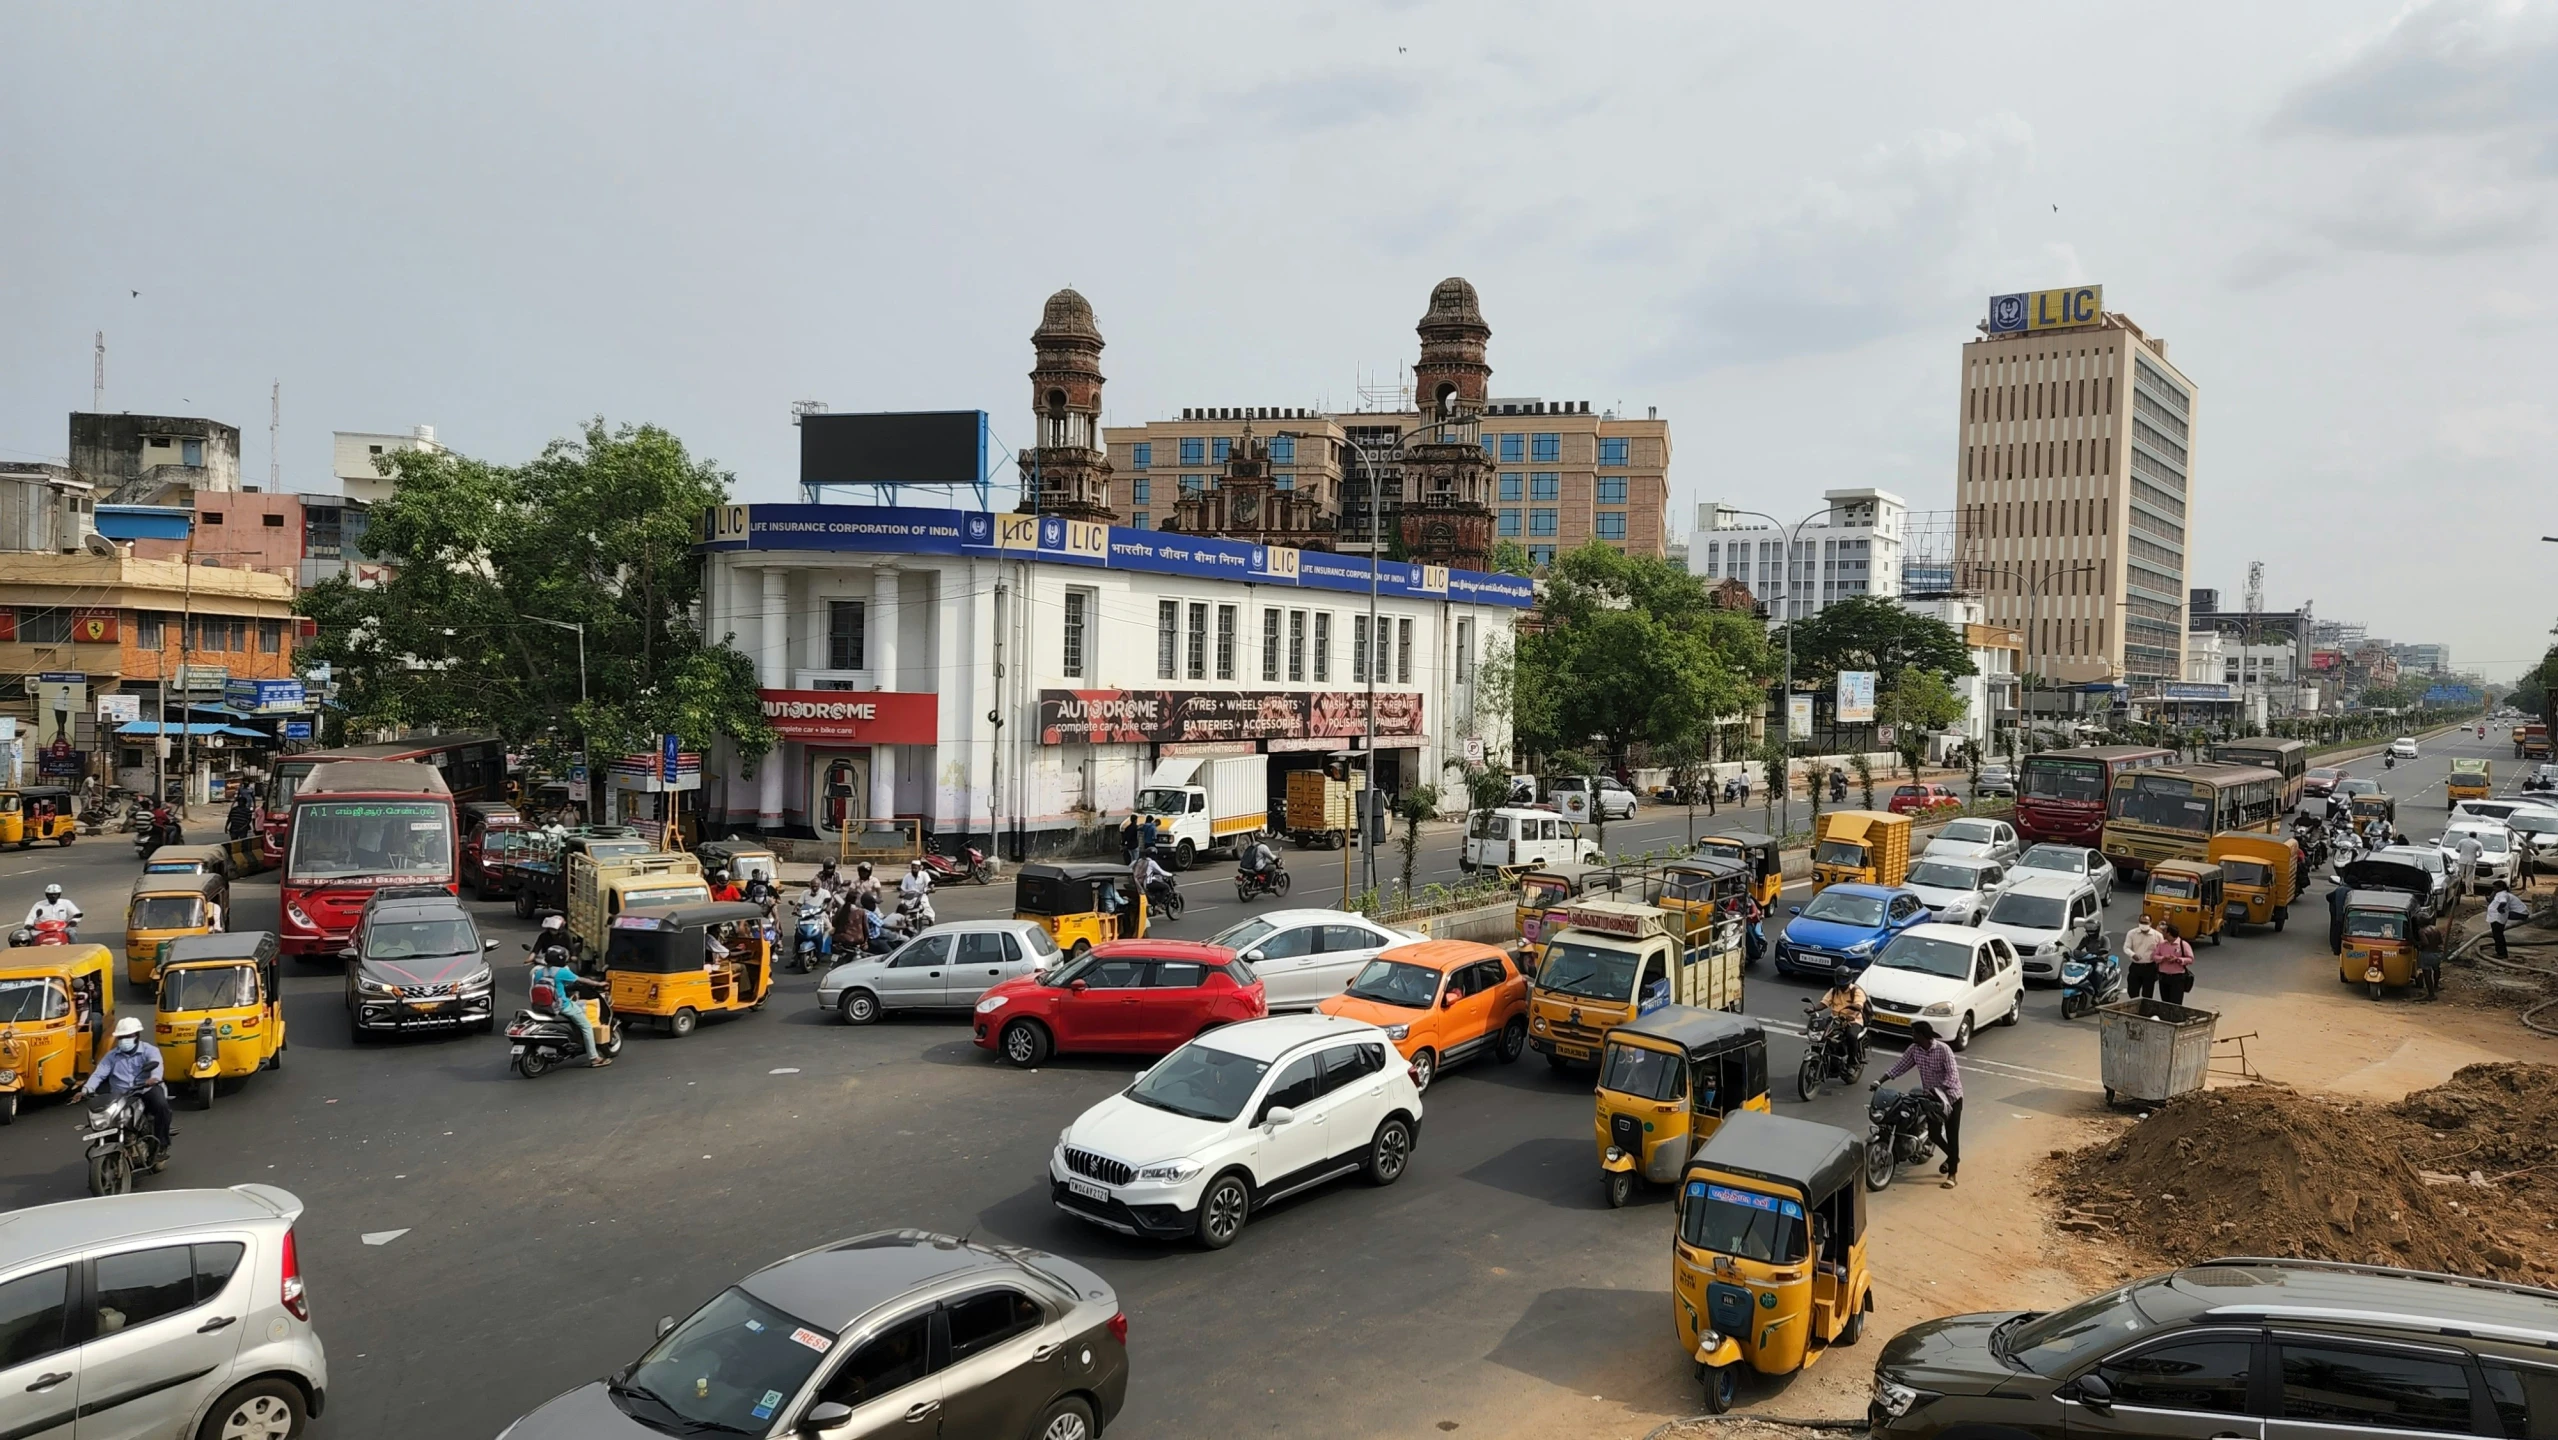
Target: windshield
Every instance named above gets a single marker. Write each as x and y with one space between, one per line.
2170 802
1939 874
1927 955
1744 1223
1979 832
2535 824
2366 925
288 778
1164 801
2490 841
2050 778
2053 857
1202 1082
166 912
1845 908
1572 968
657 897
407 939
2172 887
1643 1074
1390 982
2050 1344
2359 787
1540 894
722 1368
1242 937
33 997
2247 872
209 989
1839 852
2029 912
347 839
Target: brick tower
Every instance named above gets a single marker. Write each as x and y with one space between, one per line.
1447 483
1066 472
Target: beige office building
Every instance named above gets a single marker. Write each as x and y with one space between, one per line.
2074 497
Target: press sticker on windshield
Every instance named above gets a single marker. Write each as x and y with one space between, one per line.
814 1341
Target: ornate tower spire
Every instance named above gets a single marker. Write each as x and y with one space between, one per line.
1447 505
1067 472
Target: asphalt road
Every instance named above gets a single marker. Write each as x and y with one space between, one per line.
476 1242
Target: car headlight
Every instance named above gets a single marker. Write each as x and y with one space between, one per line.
1397 1032
1172 1170
478 984
1066 1136
1893 1398
992 1003
1941 1010
364 986
1861 947
294 913
1537 1023
8 1077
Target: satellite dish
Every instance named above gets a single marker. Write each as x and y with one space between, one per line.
99 545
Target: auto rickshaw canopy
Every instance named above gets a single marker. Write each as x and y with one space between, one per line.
671 942
1703 880
1069 889
742 859
25 798
1751 849
1818 1160
2367 877
2183 879
1696 1034
1570 877
191 882
185 860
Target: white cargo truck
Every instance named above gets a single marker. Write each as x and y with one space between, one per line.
1216 802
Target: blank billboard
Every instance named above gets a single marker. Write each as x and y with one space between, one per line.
919 447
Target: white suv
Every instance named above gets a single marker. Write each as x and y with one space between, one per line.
2045 915
177 1312
1235 1120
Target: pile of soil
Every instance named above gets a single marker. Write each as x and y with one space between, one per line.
2460 1178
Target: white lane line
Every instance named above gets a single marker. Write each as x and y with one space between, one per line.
383 1237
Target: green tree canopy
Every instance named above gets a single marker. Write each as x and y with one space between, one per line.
1631 652
1867 632
596 531
1509 557
1917 702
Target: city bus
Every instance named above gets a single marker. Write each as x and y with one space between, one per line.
358 826
2287 758
2060 794
474 768
2172 813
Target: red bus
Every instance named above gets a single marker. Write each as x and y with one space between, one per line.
474 768
2060 794
358 826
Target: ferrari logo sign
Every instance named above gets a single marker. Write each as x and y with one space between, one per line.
93 627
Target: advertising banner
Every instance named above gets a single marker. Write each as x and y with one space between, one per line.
1137 717
263 697
1856 697
119 709
93 627
2046 309
860 717
1798 717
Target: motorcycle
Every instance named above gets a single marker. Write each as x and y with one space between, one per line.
2312 838
1829 1052
2090 977
156 833
808 937
1250 885
1838 789
540 1039
1896 1133
120 1144
1163 898
973 867
2388 762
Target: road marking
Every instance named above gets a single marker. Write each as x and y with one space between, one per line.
785 1070
383 1237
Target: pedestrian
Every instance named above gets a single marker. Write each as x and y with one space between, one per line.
1710 787
1147 833
2174 961
1943 1080
1128 840
2336 919
2503 909
2140 949
1744 779
2468 850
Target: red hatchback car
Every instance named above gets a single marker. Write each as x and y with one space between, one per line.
1922 799
1136 997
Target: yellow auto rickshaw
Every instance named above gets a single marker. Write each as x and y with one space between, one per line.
1768 1267
221 1015
57 1014
1755 853
193 860
1667 1080
164 907
38 812
2378 805
661 963
1545 890
2383 943
2261 876
743 861
2185 896
1080 904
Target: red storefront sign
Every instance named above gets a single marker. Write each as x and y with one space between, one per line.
93 627
855 717
1193 716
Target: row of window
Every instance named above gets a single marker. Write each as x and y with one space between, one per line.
1200 450
2149 435
156 629
1510 448
1196 640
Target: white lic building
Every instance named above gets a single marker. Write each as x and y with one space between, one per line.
1854 549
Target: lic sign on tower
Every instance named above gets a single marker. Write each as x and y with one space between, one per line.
2035 310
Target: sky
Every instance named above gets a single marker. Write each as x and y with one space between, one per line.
1778 224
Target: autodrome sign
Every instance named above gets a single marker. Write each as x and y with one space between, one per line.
1137 717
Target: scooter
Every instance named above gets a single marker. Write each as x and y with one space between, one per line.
972 867
1250 886
120 1145
1896 1133
2091 976
540 1039
808 938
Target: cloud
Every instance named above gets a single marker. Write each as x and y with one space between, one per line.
1332 99
2508 431
2448 68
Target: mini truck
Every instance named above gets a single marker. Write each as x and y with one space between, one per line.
1206 803
1613 961
1867 846
1323 809
601 889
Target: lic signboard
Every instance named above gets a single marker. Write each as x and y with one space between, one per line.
2036 310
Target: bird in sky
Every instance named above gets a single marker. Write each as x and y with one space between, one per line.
137 294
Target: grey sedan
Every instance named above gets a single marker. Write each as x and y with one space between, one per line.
946 968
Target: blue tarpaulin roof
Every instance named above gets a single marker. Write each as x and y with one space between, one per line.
146 729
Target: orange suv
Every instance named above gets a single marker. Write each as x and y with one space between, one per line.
1440 1001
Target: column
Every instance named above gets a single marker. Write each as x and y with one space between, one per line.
772 672
881 657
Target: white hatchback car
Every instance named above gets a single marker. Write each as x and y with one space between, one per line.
1956 890
1954 979
2090 865
1305 957
1236 1120
2403 748
1977 839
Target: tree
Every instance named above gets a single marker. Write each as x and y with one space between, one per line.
1773 767
1509 557
1685 759
1918 701
1413 806
1866 632
1864 776
1633 652
595 532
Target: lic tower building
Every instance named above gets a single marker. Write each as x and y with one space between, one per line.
2074 494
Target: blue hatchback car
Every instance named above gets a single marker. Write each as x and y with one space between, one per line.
1843 928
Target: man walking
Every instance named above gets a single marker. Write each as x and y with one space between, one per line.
2503 909
2140 952
1943 1079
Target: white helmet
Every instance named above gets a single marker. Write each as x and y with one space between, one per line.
54 892
128 1028
551 923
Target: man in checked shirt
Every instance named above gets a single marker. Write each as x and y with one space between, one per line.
1944 1079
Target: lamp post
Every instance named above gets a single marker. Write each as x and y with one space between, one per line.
1793 537
582 757
1376 544
2034 591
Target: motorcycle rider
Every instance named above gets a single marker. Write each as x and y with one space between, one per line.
54 907
550 967
133 1068
1261 862
1838 784
865 885
915 882
725 889
1151 879
1943 1080
1847 1003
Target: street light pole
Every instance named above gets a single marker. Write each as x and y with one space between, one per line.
582 757
1376 544
1793 537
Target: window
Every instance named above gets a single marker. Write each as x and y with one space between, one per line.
1296 646
1465 652
1167 636
844 635
1177 975
270 637
150 630
1141 455
1403 652
982 1322
1140 520
370 449
1194 451
1323 646
1340 938
1541 555
1219 449
239 636
1510 523
140 1286
1611 489
208 517
2207 1375
1545 485
2389 1391
1194 483
1349 1064
1269 645
32 1311
272 522
1514 485
1385 649
1610 526
1283 480
1296 1087
2525 1397
1546 448
1358 649
1541 522
1141 491
983 947
1225 644
1283 450
1196 662
1514 449
191 452
1613 452
1078 619
922 951
896 1356
44 627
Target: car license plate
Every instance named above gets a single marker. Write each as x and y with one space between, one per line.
1088 1190
1888 1018
427 1004
1573 1052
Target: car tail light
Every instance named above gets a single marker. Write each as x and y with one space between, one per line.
1119 1327
1414 1073
294 1298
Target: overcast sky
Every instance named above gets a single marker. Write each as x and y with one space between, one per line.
1776 223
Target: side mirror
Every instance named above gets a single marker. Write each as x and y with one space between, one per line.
347 954
1278 1115
1254 957
1793 909
487 945
2094 1393
665 1324
825 1416
1078 987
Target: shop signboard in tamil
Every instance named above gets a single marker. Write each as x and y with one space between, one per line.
1139 717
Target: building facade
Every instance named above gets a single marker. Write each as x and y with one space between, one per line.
1854 549
240 530
2074 498
355 456
135 459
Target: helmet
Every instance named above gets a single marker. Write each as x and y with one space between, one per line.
863 869
22 936
719 875
130 1027
53 892
552 923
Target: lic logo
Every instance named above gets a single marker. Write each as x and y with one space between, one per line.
1052 533
2007 312
979 529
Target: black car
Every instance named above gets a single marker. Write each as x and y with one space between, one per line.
2236 1349
416 962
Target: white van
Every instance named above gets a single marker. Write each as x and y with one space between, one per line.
1518 835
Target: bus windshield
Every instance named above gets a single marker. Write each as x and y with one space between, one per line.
2052 777
289 775
2168 802
356 839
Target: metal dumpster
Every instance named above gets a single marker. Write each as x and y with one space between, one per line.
2153 1051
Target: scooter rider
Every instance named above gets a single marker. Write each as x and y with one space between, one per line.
133 1068
915 882
865 886
54 907
1260 861
1151 878
550 967
724 889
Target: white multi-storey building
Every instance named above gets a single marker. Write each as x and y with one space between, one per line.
1854 549
352 454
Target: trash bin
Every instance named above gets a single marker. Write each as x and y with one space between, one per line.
2152 1051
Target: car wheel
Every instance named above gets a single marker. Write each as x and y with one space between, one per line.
1389 1151
1514 1039
858 1007
1068 1419
1223 1208
681 1023
1963 1033
1425 1068
2016 1011
268 1409
1025 1043
1619 1185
